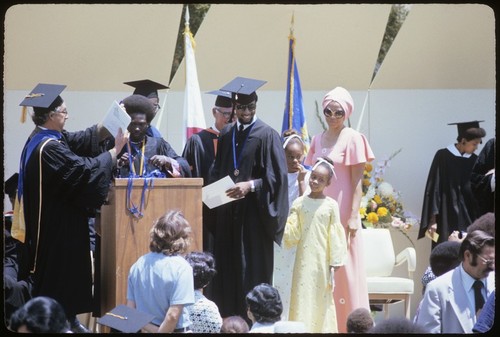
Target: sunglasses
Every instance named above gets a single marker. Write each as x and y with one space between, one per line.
336 114
243 107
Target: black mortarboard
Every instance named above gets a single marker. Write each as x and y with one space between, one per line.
465 128
43 98
223 99
146 88
11 185
243 89
125 319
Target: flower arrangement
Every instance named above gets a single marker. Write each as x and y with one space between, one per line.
381 205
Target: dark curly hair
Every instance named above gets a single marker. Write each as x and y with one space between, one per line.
264 302
444 257
203 264
139 104
359 321
485 222
171 234
40 315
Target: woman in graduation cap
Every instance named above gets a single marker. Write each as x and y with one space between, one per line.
449 204
61 175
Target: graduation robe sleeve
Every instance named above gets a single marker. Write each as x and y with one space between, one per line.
481 181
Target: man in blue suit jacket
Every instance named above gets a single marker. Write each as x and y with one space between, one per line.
448 305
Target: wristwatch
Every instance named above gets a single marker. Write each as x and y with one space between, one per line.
252 186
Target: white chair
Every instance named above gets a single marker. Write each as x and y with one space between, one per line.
380 260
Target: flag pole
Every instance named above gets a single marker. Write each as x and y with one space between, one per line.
160 114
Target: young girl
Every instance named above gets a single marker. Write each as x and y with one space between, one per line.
314 226
297 175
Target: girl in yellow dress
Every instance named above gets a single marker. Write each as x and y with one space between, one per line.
314 227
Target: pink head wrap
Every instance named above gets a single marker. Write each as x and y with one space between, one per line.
341 96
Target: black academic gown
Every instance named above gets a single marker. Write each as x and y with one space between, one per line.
246 228
154 146
481 183
67 178
200 152
448 194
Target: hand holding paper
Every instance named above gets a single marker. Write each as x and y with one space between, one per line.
214 195
434 236
116 118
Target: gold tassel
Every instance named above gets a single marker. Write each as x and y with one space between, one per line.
24 111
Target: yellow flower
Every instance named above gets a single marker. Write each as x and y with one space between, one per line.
382 211
366 182
362 212
368 167
372 217
377 199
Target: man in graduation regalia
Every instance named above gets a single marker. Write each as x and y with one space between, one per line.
149 89
61 175
250 152
449 204
146 156
200 151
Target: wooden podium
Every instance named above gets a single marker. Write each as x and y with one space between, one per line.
124 238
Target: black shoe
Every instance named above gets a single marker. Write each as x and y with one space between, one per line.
80 328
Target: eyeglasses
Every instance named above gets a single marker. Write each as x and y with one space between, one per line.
335 114
62 112
486 262
226 114
157 107
251 107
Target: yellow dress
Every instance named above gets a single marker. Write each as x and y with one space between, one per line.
313 225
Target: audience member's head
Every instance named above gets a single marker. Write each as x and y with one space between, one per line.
444 257
40 315
359 321
397 325
234 324
203 264
170 234
264 304
485 223
477 254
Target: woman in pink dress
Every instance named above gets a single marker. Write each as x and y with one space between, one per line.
349 151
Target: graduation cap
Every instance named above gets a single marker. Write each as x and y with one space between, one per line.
125 319
146 88
11 185
468 129
223 99
43 98
243 89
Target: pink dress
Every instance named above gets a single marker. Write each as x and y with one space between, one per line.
352 148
